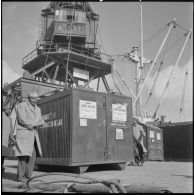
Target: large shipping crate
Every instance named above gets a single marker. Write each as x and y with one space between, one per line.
154 143
85 127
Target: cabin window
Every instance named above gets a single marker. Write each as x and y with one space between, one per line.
60 15
70 17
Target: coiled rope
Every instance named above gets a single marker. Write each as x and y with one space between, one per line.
114 185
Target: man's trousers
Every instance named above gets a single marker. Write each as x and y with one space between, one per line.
26 166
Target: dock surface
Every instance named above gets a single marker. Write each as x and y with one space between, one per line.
174 176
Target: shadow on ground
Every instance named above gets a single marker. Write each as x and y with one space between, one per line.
10 176
103 167
185 176
66 169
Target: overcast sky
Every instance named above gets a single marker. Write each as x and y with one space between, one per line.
119 31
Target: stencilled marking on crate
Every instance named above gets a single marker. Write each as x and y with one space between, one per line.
53 122
119 112
49 116
87 109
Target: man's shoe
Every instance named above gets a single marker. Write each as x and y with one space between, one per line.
131 164
27 177
22 180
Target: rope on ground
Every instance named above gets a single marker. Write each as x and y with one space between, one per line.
114 185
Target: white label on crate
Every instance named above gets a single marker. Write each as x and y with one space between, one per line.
119 112
158 136
87 109
151 134
83 122
119 134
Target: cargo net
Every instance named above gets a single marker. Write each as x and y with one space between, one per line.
75 183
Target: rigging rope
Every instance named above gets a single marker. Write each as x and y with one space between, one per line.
154 35
97 23
168 48
123 81
186 30
116 84
45 62
175 43
154 83
168 81
183 93
70 37
184 87
165 51
148 40
120 80
101 41
85 10
159 69
113 65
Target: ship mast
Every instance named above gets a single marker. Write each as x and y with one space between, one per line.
139 68
137 58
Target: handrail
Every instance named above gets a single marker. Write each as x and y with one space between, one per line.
29 56
59 47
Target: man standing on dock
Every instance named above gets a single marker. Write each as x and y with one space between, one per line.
27 145
140 150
